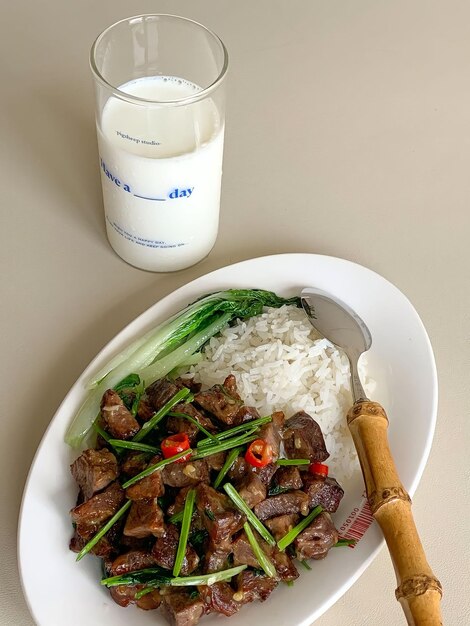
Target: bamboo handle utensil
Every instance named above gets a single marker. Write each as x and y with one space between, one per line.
419 592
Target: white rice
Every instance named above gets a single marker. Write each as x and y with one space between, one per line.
282 364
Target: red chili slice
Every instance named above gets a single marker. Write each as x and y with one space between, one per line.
174 444
259 453
319 468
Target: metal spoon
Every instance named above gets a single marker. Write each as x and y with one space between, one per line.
419 592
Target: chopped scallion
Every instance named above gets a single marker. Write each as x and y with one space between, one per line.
292 534
254 521
305 564
196 423
153 468
132 445
293 462
229 461
159 415
265 563
184 533
94 540
207 579
225 445
345 542
248 426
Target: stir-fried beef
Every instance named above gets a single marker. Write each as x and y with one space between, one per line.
94 470
164 552
118 420
324 491
291 502
218 515
266 473
216 461
303 438
145 518
252 490
271 432
134 463
155 397
243 555
148 487
188 382
281 525
315 541
99 508
288 477
216 558
218 598
131 562
144 537
182 609
254 586
185 474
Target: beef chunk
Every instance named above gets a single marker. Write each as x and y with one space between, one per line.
145 518
315 541
216 461
218 598
271 432
221 401
288 477
230 384
185 474
266 473
105 548
131 562
216 558
253 586
303 438
218 515
238 470
324 491
134 463
246 414
292 502
119 422
281 525
252 490
243 555
164 552
183 425
94 470
99 508
180 499
181 609
149 487
155 397
150 601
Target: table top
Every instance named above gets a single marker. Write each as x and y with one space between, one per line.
347 135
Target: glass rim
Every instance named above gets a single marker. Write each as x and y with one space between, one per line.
200 95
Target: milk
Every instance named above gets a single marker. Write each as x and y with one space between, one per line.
161 169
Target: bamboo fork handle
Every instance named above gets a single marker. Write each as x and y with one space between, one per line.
419 592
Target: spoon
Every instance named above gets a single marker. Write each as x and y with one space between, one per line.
419 592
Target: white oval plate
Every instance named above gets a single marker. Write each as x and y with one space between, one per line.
400 360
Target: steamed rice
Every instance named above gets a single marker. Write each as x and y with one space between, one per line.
282 364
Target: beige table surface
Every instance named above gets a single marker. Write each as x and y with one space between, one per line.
348 134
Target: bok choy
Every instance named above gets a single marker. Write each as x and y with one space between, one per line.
170 345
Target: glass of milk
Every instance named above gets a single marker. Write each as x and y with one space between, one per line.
160 113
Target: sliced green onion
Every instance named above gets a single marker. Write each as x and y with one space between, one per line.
292 534
143 592
207 579
133 445
159 415
265 563
153 468
305 564
290 583
94 540
345 542
195 422
293 462
254 521
229 461
221 447
184 532
238 429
